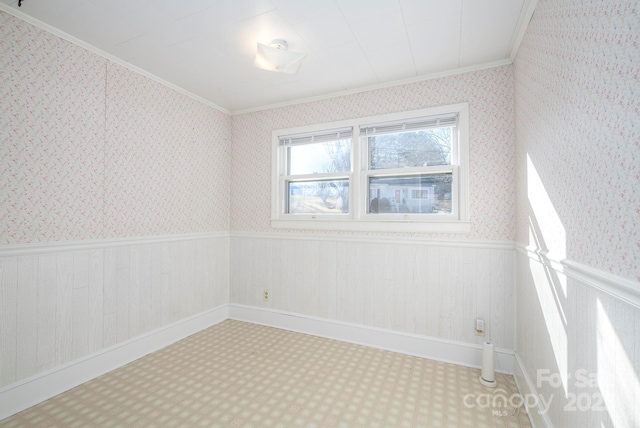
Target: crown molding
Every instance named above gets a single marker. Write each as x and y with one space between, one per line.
462 70
521 27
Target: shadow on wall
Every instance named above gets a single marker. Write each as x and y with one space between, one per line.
577 343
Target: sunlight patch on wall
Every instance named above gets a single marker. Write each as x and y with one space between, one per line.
546 230
554 318
548 237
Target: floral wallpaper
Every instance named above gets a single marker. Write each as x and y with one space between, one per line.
90 149
168 159
492 190
577 110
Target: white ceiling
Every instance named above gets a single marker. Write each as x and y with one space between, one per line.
207 47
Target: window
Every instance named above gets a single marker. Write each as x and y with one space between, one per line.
400 172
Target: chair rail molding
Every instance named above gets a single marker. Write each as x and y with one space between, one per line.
623 289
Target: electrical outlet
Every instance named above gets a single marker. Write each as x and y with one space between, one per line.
266 295
479 327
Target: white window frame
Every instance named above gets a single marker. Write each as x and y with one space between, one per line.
358 219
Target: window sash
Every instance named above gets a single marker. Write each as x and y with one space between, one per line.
411 172
295 162
365 144
343 203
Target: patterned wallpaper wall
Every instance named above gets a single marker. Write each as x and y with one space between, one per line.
577 97
490 97
90 149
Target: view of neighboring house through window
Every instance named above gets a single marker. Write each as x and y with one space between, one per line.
409 165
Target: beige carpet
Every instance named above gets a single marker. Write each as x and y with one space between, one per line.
237 374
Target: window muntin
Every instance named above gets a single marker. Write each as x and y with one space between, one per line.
423 153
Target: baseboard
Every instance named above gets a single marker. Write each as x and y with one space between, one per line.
528 391
449 351
28 392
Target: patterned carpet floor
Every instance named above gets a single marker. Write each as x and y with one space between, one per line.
237 374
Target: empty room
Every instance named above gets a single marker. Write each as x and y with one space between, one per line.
319 213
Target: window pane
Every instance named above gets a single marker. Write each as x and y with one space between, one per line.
422 194
330 156
428 147
318 197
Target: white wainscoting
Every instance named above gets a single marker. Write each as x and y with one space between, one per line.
576 323
427 288
68 308
60 302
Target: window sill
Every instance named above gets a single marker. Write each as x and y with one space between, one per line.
375 226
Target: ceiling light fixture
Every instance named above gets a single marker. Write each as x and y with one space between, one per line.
276 57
